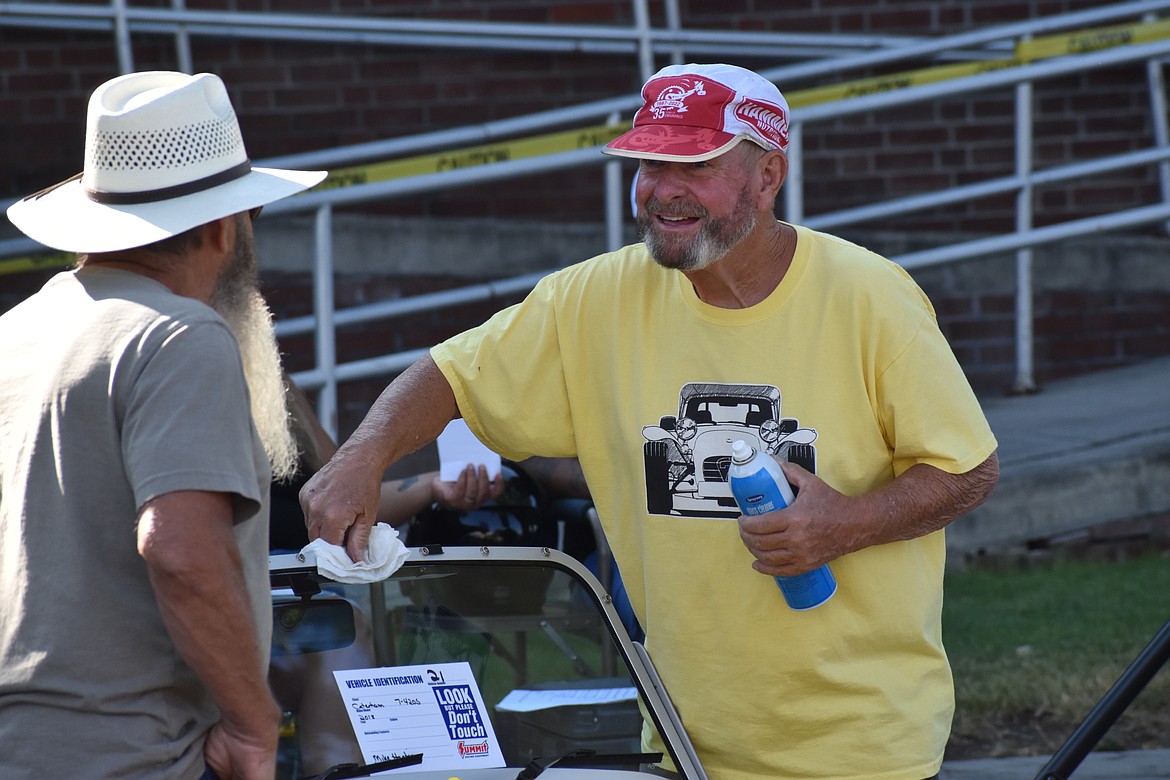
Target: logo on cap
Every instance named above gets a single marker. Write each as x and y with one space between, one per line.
769 120
674 98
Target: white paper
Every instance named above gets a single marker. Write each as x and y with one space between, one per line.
458 448
524 700
433 709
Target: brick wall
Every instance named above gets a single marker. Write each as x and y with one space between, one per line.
1075 332
294 97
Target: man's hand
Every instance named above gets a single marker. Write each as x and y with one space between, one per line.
236 755
340 502
823 524
801 537
470 491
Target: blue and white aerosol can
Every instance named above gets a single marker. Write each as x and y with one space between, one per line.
759 486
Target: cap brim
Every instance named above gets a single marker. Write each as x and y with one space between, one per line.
66 219
672 143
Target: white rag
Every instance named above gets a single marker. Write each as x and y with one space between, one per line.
385 555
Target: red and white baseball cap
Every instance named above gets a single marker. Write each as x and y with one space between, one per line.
692 113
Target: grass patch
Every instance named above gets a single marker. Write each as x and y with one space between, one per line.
1033 649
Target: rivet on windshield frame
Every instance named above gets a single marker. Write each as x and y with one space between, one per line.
424 551
485 550
301 557
545 552
608 599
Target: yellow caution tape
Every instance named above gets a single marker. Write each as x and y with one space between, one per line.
1078 42
893 82
43 262
474 156
1096 39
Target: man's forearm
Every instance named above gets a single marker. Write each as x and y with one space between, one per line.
560 477
403 498
920 501
410 413
341 500
187 542
823 524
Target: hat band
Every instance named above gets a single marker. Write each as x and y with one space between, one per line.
166 193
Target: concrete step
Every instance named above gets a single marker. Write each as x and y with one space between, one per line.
1078 453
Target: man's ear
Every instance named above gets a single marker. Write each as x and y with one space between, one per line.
773 172
220 234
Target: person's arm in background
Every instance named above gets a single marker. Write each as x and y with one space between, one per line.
186 539
315 443
401 499
341 500
560 477
822 524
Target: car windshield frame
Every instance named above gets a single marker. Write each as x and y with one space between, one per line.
476 576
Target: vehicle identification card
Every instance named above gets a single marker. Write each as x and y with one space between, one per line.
433 709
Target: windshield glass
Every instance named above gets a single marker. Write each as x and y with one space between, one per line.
549 668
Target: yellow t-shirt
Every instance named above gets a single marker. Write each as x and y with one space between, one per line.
842 368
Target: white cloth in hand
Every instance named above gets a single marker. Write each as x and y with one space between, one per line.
384 556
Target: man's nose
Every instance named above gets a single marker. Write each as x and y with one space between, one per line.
665 183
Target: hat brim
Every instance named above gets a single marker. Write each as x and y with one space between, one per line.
672 143
66 218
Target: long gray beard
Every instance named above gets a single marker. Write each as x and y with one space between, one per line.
262 370
238 300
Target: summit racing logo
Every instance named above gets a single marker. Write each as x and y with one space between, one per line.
473 749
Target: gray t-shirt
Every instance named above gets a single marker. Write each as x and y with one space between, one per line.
113 390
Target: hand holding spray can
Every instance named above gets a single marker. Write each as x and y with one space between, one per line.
759 486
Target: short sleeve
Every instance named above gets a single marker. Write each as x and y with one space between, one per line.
929 411
187 420
508 379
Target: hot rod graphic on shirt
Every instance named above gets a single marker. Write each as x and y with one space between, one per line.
687 456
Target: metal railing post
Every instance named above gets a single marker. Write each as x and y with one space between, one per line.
323 311
1025 376
614 200
1156 77
645 42
674 24
794 184
122 36
182 41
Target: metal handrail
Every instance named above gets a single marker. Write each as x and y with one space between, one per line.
642 39
517 36
1020 239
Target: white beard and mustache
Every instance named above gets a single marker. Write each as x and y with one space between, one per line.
715 239
238 300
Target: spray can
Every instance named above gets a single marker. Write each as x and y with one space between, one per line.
759 486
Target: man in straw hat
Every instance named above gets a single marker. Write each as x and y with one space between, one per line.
143 419
647 363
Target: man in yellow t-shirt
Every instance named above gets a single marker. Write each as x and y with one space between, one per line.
647 363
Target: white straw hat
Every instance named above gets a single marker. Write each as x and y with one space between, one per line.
163 154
